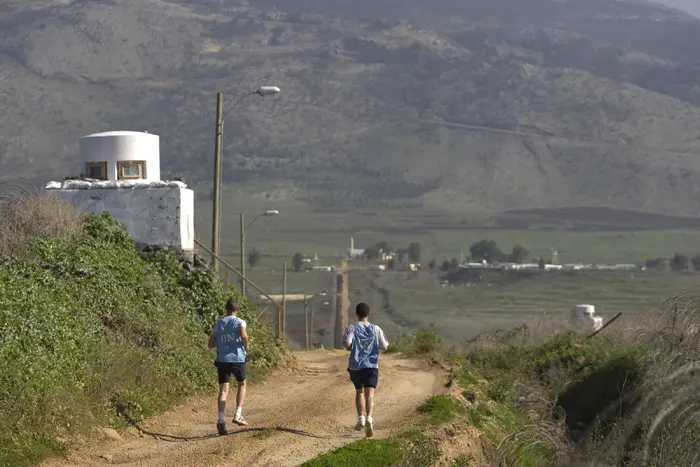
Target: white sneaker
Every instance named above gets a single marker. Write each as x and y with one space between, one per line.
360 423
239 420
369 429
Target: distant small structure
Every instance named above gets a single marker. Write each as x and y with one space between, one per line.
583 319
386 256
354 253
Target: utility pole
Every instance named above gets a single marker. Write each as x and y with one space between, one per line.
243 258
284 299
278 322
341 317
311 323
306 322
333 300
217 183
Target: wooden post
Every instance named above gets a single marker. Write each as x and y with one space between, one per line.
306 322
311 324
284 299
341 315
278 322
217 183
243 258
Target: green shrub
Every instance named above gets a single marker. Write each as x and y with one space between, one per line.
362 453
439 408
604 387
89 329
423 342
411 448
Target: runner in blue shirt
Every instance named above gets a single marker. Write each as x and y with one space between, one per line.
364 340
230 337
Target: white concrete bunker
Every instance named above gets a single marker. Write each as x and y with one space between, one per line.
123 178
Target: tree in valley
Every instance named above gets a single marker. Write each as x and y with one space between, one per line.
297 261
486 250
414 252
254 258
519 254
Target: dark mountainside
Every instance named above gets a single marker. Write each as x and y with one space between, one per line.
488 104
689 6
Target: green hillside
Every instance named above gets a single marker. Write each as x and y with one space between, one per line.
91 329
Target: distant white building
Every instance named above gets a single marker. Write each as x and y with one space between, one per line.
355 252
583 318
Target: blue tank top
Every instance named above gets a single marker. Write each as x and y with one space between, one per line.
364 352
229 345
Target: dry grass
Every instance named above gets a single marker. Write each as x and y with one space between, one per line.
663 429
32 217
660 426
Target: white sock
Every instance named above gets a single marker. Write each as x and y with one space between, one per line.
361 418
239 411
369 419
221 417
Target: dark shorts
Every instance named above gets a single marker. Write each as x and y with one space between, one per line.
364 378
226 370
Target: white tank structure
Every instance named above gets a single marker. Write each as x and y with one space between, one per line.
583 318
121 175
121 155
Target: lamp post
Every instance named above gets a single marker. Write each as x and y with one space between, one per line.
262 91
268 213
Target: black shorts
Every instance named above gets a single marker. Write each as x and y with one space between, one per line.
364 377
225 371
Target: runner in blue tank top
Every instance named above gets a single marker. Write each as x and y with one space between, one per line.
230 337
364 340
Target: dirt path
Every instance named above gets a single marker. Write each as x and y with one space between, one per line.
317 399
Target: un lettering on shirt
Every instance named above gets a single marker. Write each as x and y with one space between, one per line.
223 338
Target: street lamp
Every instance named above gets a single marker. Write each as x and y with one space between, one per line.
268 213
262 91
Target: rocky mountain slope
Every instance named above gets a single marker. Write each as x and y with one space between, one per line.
491 104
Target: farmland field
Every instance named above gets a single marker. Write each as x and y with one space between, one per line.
455 311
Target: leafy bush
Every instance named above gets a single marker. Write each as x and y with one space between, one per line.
89 329
365 452
411 448
440 408
424 342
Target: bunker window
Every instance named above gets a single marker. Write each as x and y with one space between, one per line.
130 170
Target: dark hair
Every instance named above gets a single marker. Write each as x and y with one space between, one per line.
231 305
362 310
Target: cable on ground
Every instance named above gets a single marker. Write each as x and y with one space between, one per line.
174 438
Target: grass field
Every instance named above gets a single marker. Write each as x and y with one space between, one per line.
443 234
457 312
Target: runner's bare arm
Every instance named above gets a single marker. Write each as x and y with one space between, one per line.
347 338
244 337
383 342
212 339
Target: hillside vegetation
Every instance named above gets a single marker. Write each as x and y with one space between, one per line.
90 328
530 398
441 104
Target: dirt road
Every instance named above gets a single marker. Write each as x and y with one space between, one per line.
317 399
